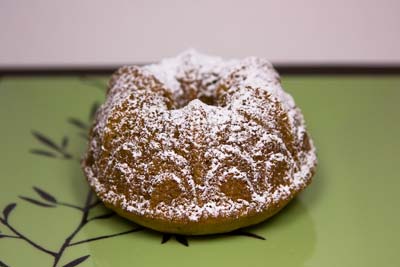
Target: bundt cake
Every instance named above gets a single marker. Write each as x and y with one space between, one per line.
198 145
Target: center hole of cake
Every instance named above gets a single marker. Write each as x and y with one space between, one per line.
191 89
187 98
209 100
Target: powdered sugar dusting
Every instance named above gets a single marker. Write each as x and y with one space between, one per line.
195 137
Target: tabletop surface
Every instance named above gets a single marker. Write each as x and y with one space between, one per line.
348 216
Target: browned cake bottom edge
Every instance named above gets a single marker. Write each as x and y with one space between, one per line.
204 226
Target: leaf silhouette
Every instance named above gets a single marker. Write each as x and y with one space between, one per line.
36 202
67 155
46 196
76 261
93 110
78 123
243 233
46 140
43 153
165 238
2 264
64 142
181 239
8 209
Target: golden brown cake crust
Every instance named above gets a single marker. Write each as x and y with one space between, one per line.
198 145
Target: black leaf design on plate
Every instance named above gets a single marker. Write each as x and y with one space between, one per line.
64 142
46 141
7 210
165 238
181 239
78 123
60 149
43 153
2 264
76 261
46 196
243 233
36 202
93 110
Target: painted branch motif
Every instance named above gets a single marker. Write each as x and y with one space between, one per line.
49 201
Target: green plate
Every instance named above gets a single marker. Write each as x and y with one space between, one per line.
349 216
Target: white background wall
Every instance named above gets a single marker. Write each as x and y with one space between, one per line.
97 32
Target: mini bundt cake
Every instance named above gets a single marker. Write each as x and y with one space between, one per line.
198 145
